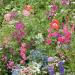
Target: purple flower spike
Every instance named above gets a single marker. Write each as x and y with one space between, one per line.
61 68
51 70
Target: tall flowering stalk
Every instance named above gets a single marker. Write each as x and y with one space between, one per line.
61 68
19 32
23 50
51 70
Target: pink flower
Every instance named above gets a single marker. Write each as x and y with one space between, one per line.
54 8
26 13
7 17
61 39
10 64
49 30
19 26
65 2
23 51
48 41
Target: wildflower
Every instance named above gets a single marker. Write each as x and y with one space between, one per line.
26 13
7 17
10 16
23 52
54 8
19 33
51 70
61 67
54 24
65 2
50 59
27 9
19 26
10 64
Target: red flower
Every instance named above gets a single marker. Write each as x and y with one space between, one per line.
28 7
54 24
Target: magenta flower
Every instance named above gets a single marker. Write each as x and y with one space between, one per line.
61 39
54 8
19 26
10 64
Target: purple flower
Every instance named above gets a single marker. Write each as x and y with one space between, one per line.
19 26
61 67
51 70
65 2
54 8
50 59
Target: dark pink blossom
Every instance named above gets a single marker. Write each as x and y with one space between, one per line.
19 26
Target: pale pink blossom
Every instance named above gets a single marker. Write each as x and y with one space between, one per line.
26 13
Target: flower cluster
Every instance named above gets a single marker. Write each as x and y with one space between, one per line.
10 16
23 50
19 33
27 9
62 38
53 10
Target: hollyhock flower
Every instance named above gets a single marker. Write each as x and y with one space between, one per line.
51 70
61 67
10 64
